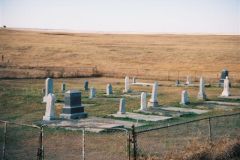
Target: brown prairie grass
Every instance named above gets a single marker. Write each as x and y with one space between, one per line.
121 54
224 149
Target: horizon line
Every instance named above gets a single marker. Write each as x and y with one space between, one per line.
116 32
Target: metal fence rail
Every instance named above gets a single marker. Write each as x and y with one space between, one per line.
161 141
23 141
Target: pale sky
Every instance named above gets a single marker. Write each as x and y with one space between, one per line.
147 16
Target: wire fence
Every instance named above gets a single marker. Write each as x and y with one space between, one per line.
22 141
171 75
163 141
13 71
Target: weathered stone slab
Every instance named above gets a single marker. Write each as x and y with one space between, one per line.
92 124
222 103
187 110
138 116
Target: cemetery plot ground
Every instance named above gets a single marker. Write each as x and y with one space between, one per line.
21 102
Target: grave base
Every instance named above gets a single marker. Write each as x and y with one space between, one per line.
48 118
74 116
152 104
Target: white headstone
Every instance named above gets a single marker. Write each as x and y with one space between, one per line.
143 101
184 98
134 80
109 89
127 85
122 106
50 108
226 89
201 93
48 88
92 93
153 102
188 80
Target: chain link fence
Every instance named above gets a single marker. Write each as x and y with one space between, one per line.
21 141
174 139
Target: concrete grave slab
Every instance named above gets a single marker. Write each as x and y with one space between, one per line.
138 116
223 103
230 97
186 110
93 124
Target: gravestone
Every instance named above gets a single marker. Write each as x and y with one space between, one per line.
43 91
134 80
86 85
201 93
226 89
224 74
48 88
177 83
188 80
153 102
92 93
184 98
50 108
109 89
127 85
143 101
63 87
73 108
122 106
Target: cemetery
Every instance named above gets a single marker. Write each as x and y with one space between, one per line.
99 103
101 111
111 102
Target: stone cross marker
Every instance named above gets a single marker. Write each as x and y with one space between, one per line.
143 101
201 93
153 102
184 98
50 108
92 93
86 85
226 89
48 88
63 87
73 108
109 89
122 106
127 85
188 80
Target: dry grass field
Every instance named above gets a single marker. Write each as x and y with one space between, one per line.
118 53
147 55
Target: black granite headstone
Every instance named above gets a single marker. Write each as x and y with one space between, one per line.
224 74
86 85
73 108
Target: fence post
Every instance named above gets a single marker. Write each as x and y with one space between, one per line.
4 141
134 141
83 143
40 153
129 146
210 129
